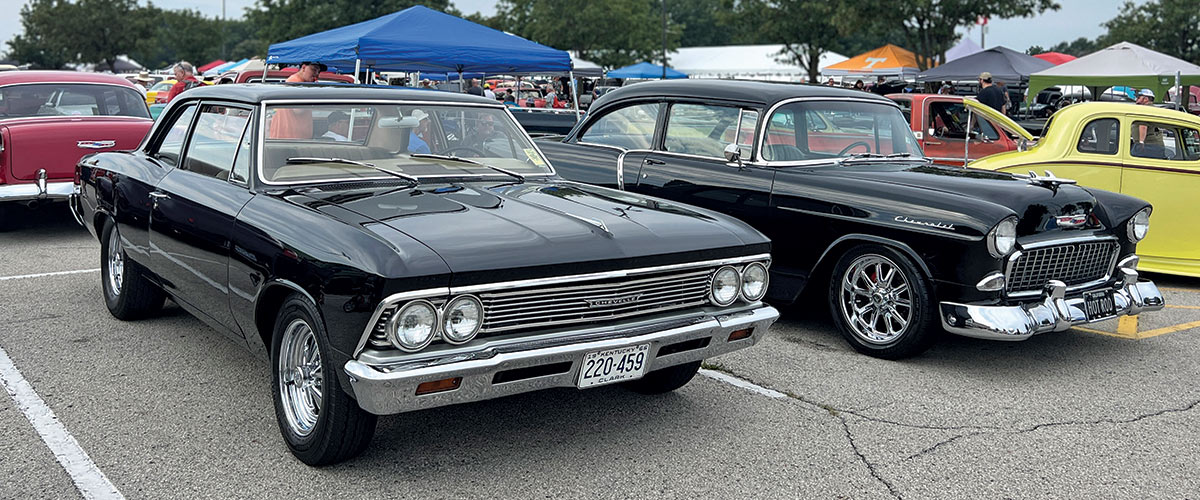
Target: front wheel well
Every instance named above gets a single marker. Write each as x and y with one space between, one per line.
267 308
824 266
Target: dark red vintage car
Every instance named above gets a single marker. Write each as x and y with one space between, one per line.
50 119
940 124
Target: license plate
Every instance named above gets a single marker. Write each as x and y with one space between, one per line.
1099 304
613 365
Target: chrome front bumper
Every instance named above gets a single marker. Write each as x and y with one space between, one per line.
391 388
1054 313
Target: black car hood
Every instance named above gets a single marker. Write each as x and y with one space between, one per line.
1036 205
491 226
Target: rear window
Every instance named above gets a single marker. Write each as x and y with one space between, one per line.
53 99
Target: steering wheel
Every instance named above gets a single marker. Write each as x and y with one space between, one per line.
852 146
450 151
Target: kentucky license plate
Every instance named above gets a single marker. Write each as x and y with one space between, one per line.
613 365
1099 304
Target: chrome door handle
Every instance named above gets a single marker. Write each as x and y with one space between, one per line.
651 161
159 195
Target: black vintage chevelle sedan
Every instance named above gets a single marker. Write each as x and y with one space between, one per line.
393 250
899 248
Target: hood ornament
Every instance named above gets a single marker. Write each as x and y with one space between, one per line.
1048 181
1071 221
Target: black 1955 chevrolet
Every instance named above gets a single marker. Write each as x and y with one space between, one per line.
393 250
900 247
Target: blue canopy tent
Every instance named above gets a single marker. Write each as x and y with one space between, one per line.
424 40
645 70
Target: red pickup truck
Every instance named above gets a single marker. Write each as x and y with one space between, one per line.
940 124
50 119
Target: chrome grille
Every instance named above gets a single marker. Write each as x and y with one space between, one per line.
539 307
1073 264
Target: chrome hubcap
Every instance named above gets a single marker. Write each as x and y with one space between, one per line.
301 381
116 262
876 299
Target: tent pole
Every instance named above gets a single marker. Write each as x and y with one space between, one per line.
574 93
264 77
357 67
460 82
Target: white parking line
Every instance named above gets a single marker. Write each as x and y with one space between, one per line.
744 384
88 478
39 275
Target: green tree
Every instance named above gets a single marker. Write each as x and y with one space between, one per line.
1168 26
806 28
45 40
282 20
930 26
178 35
587 27
1079 47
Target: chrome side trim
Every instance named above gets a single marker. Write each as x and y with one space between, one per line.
621 164
877 222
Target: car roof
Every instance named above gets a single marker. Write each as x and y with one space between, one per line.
46 76
767 93
1083 110
259 92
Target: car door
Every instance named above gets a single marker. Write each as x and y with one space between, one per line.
954 131
689 164
1095 159
608 148
194 207
1168 176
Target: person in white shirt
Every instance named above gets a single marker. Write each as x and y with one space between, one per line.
338 124
487 91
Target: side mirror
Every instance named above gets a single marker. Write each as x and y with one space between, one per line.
733 154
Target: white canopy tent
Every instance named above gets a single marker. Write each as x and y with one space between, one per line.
758 62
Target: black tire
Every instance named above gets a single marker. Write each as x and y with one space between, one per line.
664 380
909 338
132 296
341 429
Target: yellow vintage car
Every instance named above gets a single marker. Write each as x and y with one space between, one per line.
1142 151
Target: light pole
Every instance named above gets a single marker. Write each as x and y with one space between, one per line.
664 39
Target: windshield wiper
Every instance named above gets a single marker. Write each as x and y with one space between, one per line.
872 156
344 161
505 171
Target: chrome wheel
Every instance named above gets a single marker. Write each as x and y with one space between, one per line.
876 299
301 381
116 262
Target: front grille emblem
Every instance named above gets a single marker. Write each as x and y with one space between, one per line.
628 299
1071 220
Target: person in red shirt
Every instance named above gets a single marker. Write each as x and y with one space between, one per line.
184 79
295 123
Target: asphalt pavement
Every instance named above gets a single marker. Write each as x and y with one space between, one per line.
168 408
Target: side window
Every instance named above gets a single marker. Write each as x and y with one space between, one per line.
1099 137
1191 143
779 140
906 108
215 140
745 138
171 147
949 121
1158 141
631 127
701 130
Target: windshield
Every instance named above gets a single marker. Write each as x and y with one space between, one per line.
821 130
161 86
62 99
424 140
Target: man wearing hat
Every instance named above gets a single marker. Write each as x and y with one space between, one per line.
143 80
1145 97
1149 142
308 72
990 94
415 142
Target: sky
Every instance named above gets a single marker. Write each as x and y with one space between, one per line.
1077 18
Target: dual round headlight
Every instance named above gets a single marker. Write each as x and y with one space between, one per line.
417 323
1138 225
1002 239
728 284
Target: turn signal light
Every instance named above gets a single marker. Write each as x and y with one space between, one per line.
443 385
740 334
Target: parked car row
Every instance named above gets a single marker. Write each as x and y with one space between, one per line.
390 250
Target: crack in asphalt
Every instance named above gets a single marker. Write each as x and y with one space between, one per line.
840 414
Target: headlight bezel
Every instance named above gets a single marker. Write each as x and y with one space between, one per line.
737 288
1132 224
766 281
445 319
392 327
994 243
